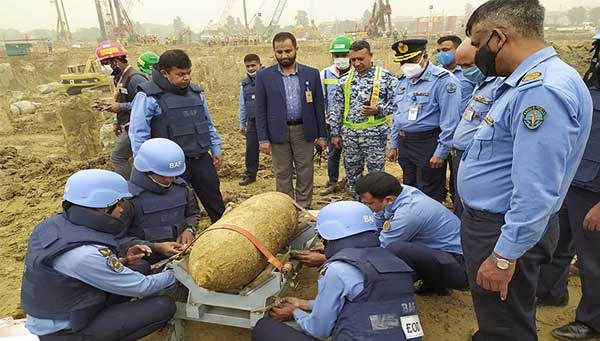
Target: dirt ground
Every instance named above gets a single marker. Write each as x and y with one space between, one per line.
36 160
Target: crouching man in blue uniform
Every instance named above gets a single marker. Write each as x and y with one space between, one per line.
165 210
417 229
74 286
365 292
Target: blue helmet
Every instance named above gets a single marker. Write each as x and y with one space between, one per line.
343 219
96 188
160 156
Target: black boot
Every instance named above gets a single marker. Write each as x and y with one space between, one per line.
246 181
553 302
575 331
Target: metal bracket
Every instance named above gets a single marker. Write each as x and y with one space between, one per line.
237 308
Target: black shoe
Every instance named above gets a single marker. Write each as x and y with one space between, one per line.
246 181
575 331
422 289
553 302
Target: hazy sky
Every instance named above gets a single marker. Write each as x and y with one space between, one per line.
30 14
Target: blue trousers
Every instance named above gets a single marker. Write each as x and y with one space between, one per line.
414 152
454 164
126 321
202 175
252 155
437 269
513 319
268 329
333 161
575 240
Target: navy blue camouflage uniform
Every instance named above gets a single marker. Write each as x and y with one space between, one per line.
362 145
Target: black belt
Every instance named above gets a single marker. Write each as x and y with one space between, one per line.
420 134
459 258
294 122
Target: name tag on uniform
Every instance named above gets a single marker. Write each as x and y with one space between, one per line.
253 96
413 112
309 98
468 115
411 326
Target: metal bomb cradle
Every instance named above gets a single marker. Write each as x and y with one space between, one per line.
239 308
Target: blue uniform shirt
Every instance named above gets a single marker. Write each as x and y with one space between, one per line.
242 110
341 282
466 88
329 79
88 265
293 94
434 101
416 218
145 108
524 156
477 109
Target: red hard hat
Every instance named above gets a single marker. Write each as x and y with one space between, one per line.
109 49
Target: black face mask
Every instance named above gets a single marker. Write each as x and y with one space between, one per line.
485 59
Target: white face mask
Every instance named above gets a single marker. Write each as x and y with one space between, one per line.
107 69
342 63
412 70
252 74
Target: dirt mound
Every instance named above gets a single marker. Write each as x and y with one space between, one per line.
81 127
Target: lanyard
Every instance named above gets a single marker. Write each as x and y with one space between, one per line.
116 92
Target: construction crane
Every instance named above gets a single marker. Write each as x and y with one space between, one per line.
380 14
63 31
275 18
114 20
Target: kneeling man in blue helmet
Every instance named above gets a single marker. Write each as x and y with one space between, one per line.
417 229
364 291
74 285
165 210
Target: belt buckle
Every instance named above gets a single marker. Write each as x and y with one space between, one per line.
402 133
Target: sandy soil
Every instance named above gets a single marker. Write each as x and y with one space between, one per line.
35 162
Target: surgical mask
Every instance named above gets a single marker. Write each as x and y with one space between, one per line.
473 74
342 63
251 74
445 58
379 218
485 59
412 70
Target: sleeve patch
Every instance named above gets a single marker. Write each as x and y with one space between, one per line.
114 263
451 88
533 117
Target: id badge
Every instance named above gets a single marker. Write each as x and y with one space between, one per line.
413 112
468 115
309 98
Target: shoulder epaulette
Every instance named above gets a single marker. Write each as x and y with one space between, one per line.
531 79
442 74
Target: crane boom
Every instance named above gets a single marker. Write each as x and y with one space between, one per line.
113 20
63 31
275 18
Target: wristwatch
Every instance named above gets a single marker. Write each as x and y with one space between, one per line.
501 263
